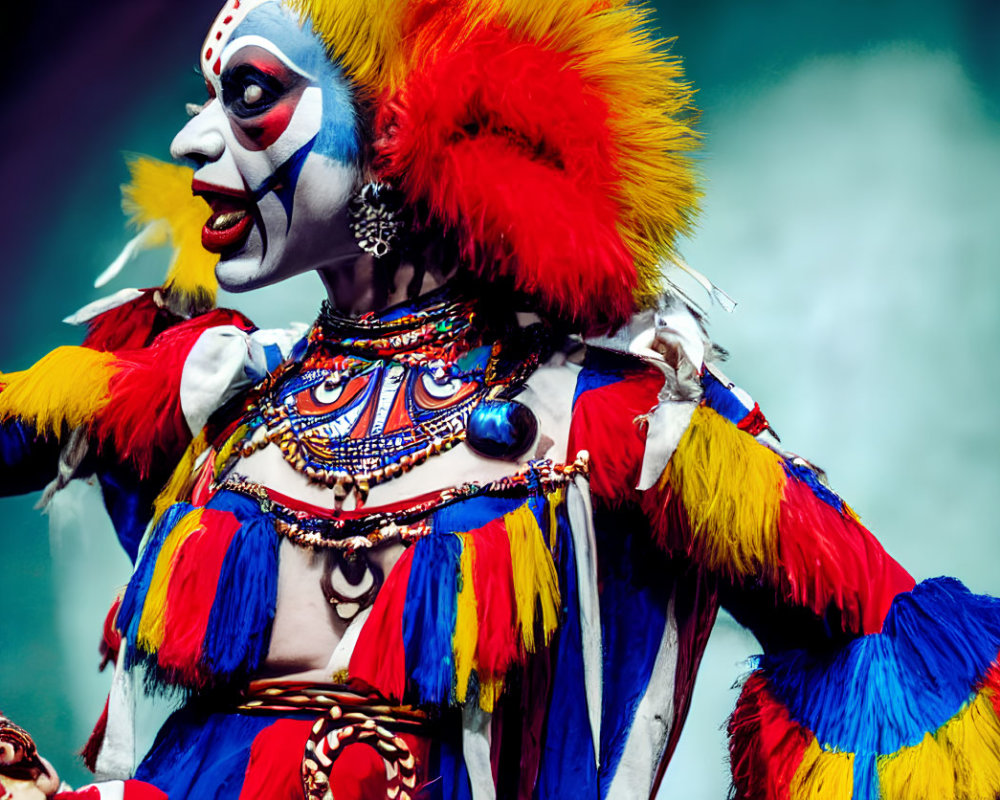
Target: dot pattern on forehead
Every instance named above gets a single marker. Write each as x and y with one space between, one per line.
231 15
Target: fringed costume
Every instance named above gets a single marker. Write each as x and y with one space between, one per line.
588 488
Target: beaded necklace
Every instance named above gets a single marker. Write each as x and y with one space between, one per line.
370 398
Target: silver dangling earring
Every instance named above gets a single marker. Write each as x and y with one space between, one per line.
377 219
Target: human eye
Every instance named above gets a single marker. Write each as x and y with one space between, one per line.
248 91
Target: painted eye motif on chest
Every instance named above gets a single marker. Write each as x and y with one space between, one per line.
327 396
431 394
368 421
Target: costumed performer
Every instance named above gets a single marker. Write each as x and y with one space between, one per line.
466 536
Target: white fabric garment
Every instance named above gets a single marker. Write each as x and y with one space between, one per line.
225 360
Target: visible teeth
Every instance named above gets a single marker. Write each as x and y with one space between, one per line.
226 220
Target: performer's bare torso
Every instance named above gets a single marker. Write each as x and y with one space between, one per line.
308 637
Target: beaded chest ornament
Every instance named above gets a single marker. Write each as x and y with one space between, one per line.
375 396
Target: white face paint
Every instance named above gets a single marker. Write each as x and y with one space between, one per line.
275 147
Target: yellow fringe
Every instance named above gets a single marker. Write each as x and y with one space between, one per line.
65 389
380 42
536 584
847 511
181 479
160 194
823 775
154 608
961 759
363 36
466 622
556 499
490 691
731 489
228 448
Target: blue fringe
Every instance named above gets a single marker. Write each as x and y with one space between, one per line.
721 399
239 624
865 777
429 616
885 691
130 612
811 479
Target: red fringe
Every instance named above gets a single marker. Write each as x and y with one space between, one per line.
498 644
607 423
378 659
144 420
507 144
765 745
111 638
191 592
96 740
668 520
827 557
129 326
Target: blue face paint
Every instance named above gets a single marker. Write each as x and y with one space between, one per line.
283 183
338 137
278 142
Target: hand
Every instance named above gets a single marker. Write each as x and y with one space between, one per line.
24 775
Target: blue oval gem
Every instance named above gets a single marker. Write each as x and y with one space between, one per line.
501 429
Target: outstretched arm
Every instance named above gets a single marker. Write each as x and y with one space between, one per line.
869 686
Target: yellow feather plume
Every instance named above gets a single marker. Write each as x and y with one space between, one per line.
362 36
536 584
466 633
159 194
823 775
152 622
65 389
961 759
731 488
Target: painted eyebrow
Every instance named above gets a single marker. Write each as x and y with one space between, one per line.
253 40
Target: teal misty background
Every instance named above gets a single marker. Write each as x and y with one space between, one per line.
851 169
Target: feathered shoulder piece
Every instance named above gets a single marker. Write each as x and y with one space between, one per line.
122 386
552 137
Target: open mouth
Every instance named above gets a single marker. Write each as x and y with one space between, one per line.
226 231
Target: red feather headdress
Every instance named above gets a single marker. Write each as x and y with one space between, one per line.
552 136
